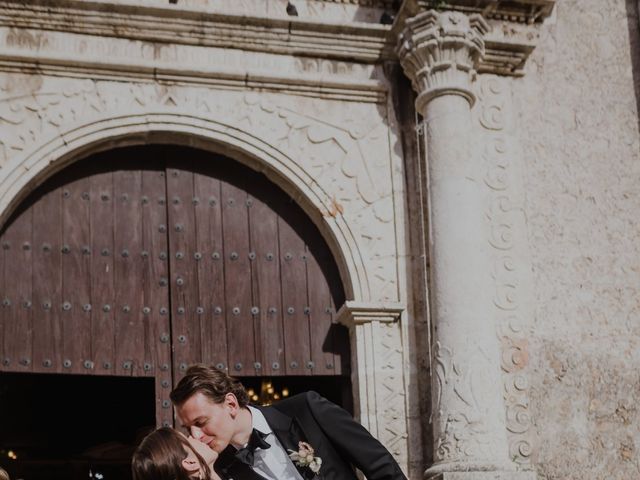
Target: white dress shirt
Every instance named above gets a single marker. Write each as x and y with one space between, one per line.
274 462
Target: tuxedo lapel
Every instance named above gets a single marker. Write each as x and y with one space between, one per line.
286 428
289 433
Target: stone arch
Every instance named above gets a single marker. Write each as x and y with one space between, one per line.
23 173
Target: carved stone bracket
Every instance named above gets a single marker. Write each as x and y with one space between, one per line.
356 313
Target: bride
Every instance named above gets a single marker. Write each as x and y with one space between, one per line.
166 454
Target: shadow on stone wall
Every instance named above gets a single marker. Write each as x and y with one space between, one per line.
415 181
633 24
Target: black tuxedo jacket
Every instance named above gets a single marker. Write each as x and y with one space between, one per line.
340 441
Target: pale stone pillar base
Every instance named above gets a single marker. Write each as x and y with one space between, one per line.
482 476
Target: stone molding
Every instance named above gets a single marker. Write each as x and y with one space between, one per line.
323 85
514 28
155 23
439 51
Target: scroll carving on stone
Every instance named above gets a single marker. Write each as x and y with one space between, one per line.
500 159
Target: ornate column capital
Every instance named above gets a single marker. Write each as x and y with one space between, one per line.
439 52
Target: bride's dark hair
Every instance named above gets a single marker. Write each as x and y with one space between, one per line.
160 454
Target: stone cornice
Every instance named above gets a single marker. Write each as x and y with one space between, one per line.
507 45
309 85
357 313
171 24
518 11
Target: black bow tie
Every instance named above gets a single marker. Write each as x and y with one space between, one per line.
256 440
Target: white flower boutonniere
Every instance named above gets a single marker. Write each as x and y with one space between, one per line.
304 457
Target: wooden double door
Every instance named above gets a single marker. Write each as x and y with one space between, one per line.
140 261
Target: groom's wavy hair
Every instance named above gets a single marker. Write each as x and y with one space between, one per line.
211 382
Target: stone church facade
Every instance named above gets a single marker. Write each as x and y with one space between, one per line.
472 165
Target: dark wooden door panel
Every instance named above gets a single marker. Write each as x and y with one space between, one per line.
128 303
321 338
103 284
76 276
263 225
209 267
155 284
141 261
18 333
47 283
294 300
182 248
237 276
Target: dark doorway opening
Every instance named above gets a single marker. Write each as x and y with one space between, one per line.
70 427
334 388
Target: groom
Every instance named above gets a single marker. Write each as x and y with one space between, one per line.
302 437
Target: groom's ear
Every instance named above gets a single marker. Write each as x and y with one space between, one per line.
231 402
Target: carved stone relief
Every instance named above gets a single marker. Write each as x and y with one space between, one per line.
344 147
511 261
391 390
378 356
465 433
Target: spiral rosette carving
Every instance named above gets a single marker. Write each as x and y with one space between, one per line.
515 354
521 451
518 419
439 51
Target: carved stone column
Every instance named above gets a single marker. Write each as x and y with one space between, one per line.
438 51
